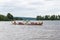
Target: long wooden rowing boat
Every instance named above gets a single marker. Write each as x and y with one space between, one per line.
30 23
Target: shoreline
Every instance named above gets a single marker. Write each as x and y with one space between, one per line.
31 20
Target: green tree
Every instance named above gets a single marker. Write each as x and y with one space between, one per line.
3 18
53 17
47 17
40 18
10 16
58 17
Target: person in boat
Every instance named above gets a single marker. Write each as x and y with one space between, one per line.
32 23
36 23
27 21
41 23
14 22
20 23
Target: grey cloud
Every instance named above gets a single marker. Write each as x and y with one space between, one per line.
52 0
28 10
37 3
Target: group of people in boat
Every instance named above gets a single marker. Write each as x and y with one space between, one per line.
36 23
31 23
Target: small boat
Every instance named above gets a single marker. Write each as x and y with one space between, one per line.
27 23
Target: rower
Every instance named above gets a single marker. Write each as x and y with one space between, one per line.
14 22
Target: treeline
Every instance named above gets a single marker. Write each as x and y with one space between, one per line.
18 18
48 17
8 17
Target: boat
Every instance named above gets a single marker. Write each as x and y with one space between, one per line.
27 23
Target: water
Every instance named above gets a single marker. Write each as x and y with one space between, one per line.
50 30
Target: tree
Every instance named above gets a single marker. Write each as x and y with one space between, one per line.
47 17
3 18
10 16
39 18
59 17
53 17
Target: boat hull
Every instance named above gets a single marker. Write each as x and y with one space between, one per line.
28 24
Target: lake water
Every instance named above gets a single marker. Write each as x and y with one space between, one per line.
50 30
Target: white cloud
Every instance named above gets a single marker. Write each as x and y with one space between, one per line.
30 8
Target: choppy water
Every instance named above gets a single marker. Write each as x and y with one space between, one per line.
50 30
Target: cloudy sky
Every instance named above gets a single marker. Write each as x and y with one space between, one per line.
30 8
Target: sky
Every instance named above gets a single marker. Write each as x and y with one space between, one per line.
30 8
